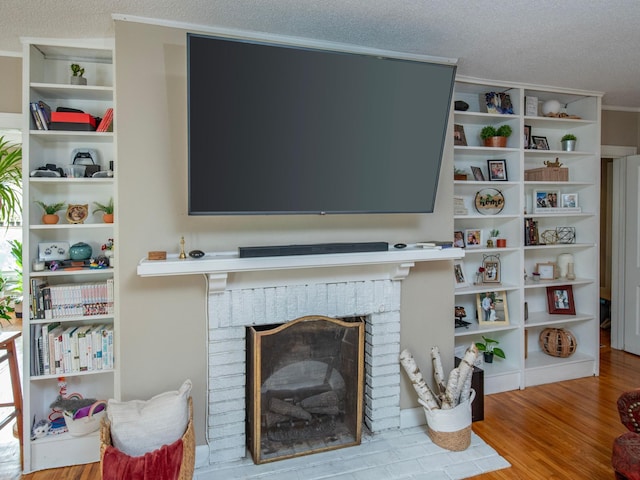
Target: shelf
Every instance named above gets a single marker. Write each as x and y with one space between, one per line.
71 181
35 378
65 272
543 319
71 136
475 329
583 171
92 318
71 92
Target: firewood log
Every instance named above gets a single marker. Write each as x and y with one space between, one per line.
438 372
324 410
452 392
420 386
466 372
326 399
272 419
285 408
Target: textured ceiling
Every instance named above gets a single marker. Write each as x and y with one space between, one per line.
584 44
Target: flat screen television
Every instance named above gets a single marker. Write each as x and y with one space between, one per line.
280 129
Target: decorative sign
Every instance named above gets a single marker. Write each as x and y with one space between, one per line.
489 201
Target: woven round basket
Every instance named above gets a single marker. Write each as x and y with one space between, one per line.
558 342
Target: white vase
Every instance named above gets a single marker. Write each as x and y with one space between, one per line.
564 259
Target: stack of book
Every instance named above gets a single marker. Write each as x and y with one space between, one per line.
41 113
531 232
458 206
58 349
105 124
63 301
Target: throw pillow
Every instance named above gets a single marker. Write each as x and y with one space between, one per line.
139 427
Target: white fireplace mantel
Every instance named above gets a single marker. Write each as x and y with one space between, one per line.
395 263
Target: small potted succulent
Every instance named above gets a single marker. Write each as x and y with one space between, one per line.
106 209
51 210
489 349
77 73
459 174
495 137
568 142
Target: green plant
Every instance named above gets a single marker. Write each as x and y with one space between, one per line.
14 285
489 346
51 208
77 70
494 233
108 208
6 308
488 132
504 131
459 171
10 180
568 136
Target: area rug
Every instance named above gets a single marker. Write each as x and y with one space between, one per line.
398 455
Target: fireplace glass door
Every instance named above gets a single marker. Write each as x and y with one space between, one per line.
304 387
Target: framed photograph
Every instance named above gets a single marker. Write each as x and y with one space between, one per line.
492 308
491 265
473 238
77 213
560 300
527 136
458 273
547 271
459 138
458 239
545 199
569 200
540 143
497 170
477 174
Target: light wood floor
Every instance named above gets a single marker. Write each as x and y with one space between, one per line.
556 431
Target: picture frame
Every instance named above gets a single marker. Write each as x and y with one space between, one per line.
459 138
76 213
492 308
569 200
547 271
477 174
560 300
497 170
491 265
545 199
539 143
527 136
458 239
473 238
459 275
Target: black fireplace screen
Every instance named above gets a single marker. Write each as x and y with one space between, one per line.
304 387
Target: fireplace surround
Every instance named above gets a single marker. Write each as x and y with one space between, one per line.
276 290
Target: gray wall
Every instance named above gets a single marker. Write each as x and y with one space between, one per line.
162 320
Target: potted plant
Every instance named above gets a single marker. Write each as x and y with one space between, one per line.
10 180
51 210
489 349
76 75
568 142
493 237
459 174
106 209
6 308
14 284
495 137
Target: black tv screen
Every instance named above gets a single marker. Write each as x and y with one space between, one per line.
276 129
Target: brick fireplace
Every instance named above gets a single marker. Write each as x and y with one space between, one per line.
245 292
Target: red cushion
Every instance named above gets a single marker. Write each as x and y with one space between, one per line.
161 464
626 455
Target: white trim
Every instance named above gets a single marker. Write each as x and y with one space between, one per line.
11 120
7 53
617 151
528 86
620 109
283 39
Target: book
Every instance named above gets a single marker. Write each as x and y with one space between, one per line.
36 116
45 113
107 119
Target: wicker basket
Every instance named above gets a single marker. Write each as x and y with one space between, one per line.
84 425
450 429
188 445
558 342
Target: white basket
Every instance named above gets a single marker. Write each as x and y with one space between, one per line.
85 425
450 429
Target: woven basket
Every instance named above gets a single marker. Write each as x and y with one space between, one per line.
80 426
450 429
188 445
558 342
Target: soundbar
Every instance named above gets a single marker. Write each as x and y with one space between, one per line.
312 249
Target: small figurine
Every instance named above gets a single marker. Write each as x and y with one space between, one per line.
39 429
182 254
